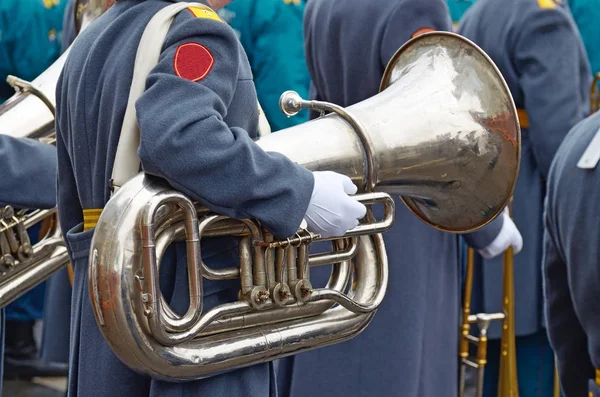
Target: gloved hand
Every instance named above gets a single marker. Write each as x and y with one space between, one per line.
331 212
509 236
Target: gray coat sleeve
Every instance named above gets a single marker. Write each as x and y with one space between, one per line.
484 236
230 174
28 173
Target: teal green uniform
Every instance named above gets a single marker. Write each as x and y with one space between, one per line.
585 12
271 33
458 8
30 38
587 17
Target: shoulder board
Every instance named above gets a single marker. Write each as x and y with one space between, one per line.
549 4
204 12
590 157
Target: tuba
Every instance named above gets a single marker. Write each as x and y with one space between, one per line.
442 133
30 114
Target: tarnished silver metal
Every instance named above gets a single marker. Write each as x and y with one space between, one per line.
23 266
21 85
291 103
161 333
443 133
30 114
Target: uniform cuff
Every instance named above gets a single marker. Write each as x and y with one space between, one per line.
486 235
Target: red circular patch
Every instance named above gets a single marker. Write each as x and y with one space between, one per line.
193 61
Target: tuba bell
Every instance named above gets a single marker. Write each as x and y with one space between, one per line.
30 114
442 133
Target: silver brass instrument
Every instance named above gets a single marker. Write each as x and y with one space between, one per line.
442 133
30 114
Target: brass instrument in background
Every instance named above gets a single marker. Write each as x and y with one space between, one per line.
442 133
30 114
556 391
483 321
595 94
508 385
507 380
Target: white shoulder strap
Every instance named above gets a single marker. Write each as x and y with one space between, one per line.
264 128
127 162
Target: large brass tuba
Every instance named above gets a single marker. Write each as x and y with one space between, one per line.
30 114
442 133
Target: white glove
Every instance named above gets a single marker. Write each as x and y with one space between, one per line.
331 212
509 236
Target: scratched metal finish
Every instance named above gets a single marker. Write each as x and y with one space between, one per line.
444 131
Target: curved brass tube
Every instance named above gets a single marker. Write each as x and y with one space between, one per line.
556 391
507 380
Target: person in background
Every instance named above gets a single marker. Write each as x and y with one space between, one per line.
55 336
69 28
411 346
25 184
30 41
586 14
457 9
587 17
571 257
197 118
538 50
271 33
30 38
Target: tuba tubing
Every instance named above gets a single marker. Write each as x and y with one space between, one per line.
50 256
370 277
